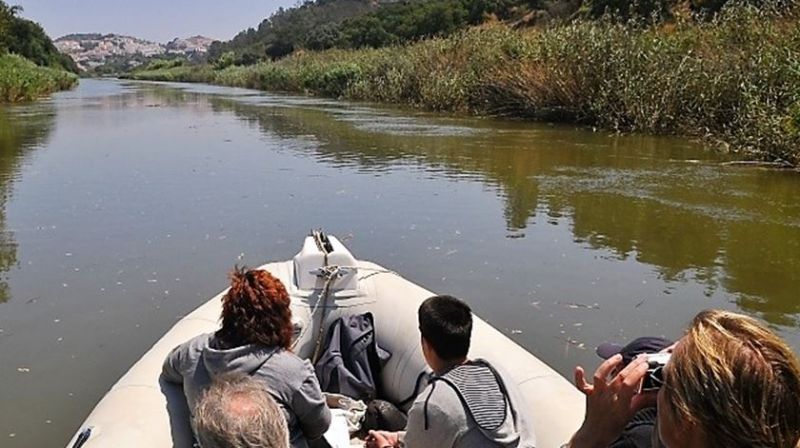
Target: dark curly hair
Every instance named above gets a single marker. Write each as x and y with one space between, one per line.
255 310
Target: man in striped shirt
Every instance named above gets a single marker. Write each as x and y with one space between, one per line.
467 404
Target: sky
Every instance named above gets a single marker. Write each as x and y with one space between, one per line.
155 20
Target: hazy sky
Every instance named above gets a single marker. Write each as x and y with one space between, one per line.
155 20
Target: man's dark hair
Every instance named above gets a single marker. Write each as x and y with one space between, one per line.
446 323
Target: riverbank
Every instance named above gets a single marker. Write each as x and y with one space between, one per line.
22 80
732 81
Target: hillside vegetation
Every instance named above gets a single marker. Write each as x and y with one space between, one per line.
325 24
30 65
352 24
28 39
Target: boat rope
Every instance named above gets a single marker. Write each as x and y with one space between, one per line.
375 272
329 273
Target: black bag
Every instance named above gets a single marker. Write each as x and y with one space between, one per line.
383 416
352 361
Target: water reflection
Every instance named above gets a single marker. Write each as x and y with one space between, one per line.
664 202
21 129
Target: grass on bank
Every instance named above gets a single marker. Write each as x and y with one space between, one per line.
22 80
734 80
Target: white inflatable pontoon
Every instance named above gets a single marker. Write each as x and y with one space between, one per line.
325 282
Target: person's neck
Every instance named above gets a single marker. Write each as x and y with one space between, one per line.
443 366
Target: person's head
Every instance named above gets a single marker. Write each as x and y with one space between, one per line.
256 310
445 324
238 412
731 382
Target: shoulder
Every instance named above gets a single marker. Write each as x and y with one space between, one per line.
285 359
441 402
193 346
287 366
437 418
184 358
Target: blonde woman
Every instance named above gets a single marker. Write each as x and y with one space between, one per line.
731 382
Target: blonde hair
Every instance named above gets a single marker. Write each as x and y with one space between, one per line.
238 412
737 381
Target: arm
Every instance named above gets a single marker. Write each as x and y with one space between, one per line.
309 405
610 403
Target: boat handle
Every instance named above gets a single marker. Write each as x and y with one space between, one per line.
82 438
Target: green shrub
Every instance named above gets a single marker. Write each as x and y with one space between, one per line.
22 80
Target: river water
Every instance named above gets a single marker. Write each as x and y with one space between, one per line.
123 205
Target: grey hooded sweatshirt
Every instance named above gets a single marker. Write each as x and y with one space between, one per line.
470 406
289 380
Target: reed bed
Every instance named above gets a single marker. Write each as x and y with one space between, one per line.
22 80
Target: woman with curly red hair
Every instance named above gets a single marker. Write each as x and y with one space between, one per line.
255 340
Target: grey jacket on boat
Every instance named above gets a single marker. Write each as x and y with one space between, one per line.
289 380
470 406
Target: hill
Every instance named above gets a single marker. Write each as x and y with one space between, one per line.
353 24
312 24
91 51
324 24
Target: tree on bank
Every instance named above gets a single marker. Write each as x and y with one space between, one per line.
28 39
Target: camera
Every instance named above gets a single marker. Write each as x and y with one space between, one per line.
654 378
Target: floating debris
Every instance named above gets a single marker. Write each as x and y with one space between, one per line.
516 331
640 303
536 304
573 342
23 369
56 320
575 305
577 324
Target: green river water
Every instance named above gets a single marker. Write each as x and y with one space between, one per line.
124 205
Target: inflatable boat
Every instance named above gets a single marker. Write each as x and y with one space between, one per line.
325 282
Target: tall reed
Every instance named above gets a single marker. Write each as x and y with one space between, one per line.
22 80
